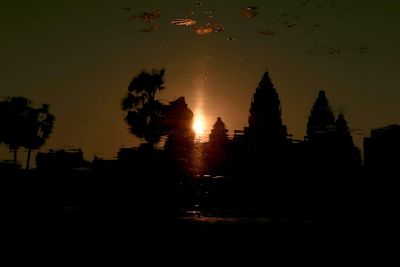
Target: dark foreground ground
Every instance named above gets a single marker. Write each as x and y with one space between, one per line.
63 216
73 236
71 230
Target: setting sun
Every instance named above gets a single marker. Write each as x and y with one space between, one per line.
199 126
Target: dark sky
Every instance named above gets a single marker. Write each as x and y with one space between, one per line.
79 57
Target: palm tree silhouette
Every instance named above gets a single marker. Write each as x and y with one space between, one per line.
39 128
145 114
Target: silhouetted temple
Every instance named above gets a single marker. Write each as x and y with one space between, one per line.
181 136
217 150
321 122
261 177
265 132
263 154
329 142
265 121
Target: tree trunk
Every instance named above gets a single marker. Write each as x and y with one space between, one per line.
28 159
15 156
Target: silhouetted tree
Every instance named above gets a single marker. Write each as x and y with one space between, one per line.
180 132
24 126
144 114
321 122
14 119
39 128
265 122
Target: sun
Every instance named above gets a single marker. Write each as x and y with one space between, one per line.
199 126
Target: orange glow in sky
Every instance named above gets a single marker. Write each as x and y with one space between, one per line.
346 48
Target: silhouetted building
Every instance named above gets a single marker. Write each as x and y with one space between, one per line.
265 130
348 155
381 162
181 136
321 122
8 166
144 159
329 142
261 153
129 154
219 133
61 160
265 121
382 149
217 149
264 141
105 168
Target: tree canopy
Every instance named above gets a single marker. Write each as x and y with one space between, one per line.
22 125
145 115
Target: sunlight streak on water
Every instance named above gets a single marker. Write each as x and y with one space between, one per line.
199 122
199 125
197 159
